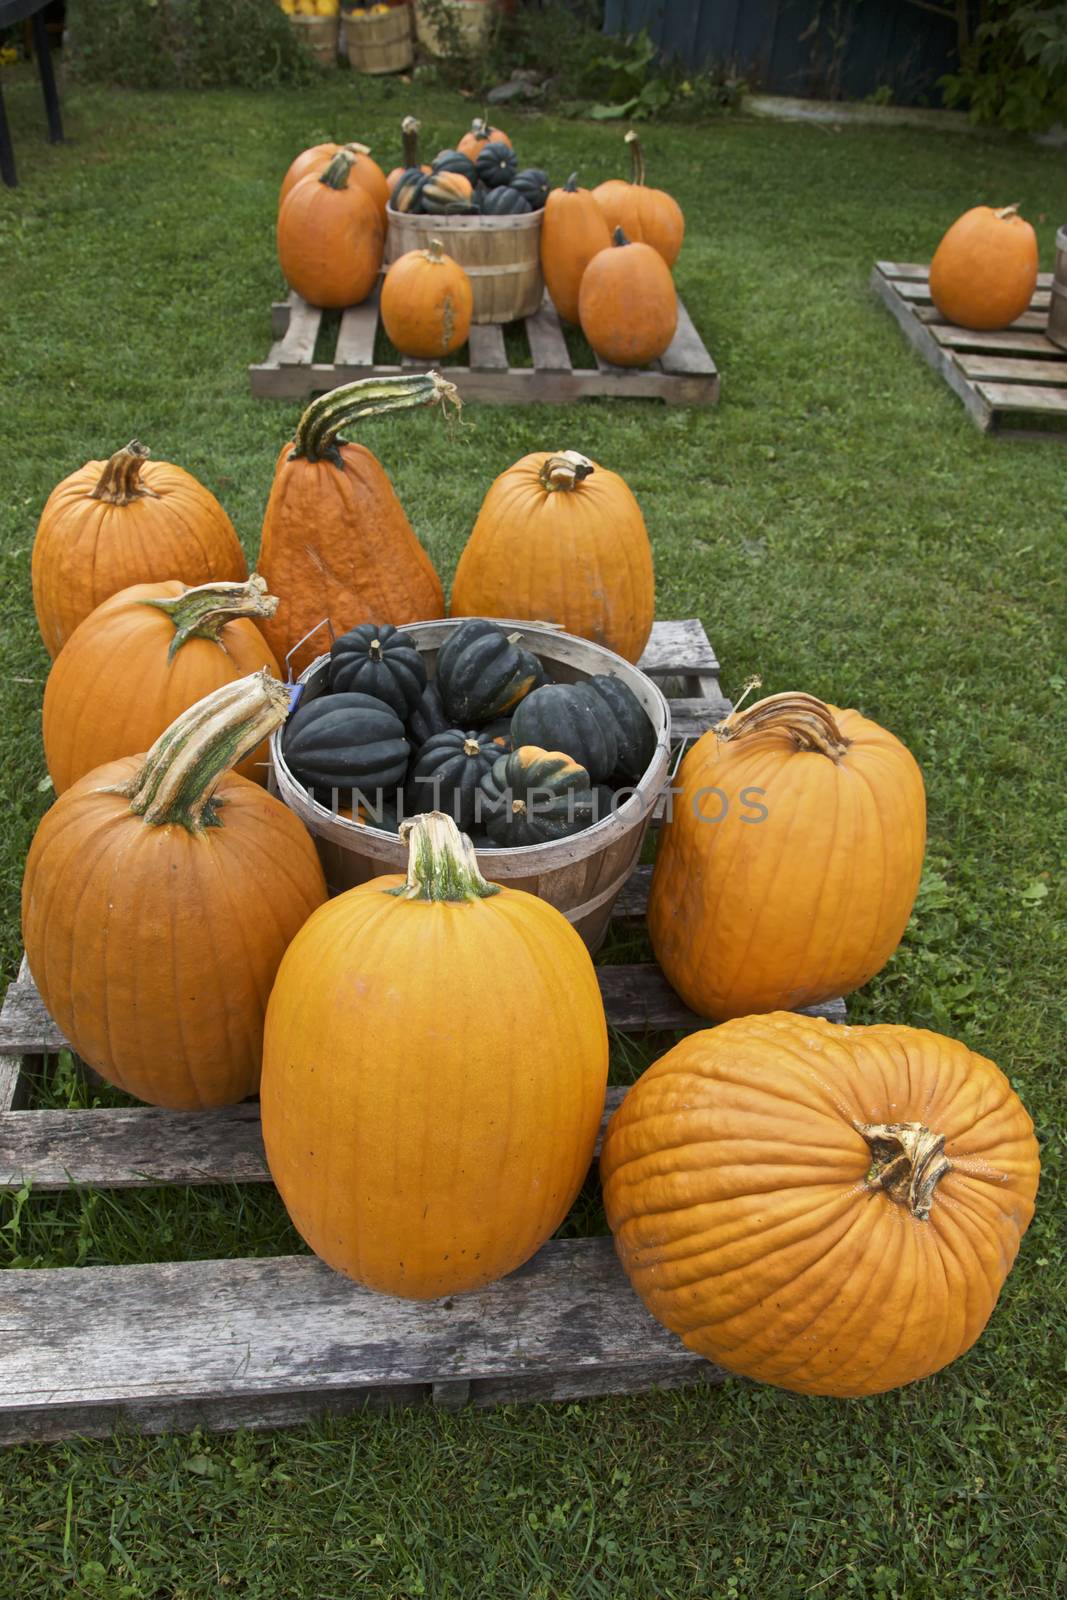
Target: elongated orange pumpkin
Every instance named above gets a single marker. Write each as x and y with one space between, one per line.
830 1209
648 216
331 236
426 303
414 1151
789 867
984 271
559 539
143 657
159 896
573 231
337 546
122 521
364 172
627 304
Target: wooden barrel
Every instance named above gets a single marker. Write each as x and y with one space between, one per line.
320 35
1057 311
501 256
382 43
451 26
581 875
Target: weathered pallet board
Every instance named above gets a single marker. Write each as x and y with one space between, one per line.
1010 373
685 375
266 1343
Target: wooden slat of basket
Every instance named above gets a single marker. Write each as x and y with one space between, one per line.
252 1342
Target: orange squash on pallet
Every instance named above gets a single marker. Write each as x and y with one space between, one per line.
647 216
426 303
331 236
984 271
573 231
627 304
364 172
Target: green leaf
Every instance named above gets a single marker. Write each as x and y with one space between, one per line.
612 113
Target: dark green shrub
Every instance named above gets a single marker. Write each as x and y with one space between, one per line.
1013 66
187 44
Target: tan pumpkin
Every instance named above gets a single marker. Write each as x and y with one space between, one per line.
984 271
421 1162
122 521
364 173
627 305
331 236
647 216
560 539
573 231
143 657
160 894
791 861
426 303
337 546
830 1209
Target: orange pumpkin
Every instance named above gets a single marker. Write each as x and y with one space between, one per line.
648 216
330 237
159 896
122 521
478 136
426 303
573 231
409 141
791 861
559 539
140 659
417 1162
984 271
626 304
337 546
830 1209
364 172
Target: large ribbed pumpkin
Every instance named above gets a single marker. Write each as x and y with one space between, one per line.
790 865
337 545
143 657
331 236
364 171
419 1146
159 896
648 216
426 303
627 305
984 271
573 231
122 521
559 539
830 1209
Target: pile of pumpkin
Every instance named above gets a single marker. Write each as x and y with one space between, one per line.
607 254
831 1209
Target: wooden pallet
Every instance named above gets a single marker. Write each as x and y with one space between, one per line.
685 376
267 1342
1004 378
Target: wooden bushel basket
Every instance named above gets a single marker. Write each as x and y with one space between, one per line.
501 256
1057 311
320 35
382 43
582 875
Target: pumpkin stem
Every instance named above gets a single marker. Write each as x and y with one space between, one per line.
409 141
336 174
180 772
442 864
565 471
318 429
907 1162
637 159
374 650
1008 211
435 252
571 185
809 722
471 747
120 480
618 237
203 612
480 128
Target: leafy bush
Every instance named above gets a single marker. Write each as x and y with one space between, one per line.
187 44
1013 68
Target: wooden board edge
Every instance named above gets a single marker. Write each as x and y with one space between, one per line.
935 356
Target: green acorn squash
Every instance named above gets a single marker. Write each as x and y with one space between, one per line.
428 717
533 185
379 660
495 164
483 673
503 202
636 736
407 191
534 796
346 741
455 161
573 718
448 772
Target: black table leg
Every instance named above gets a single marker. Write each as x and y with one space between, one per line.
7 153
48 81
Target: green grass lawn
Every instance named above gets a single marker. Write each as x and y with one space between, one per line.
841 527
